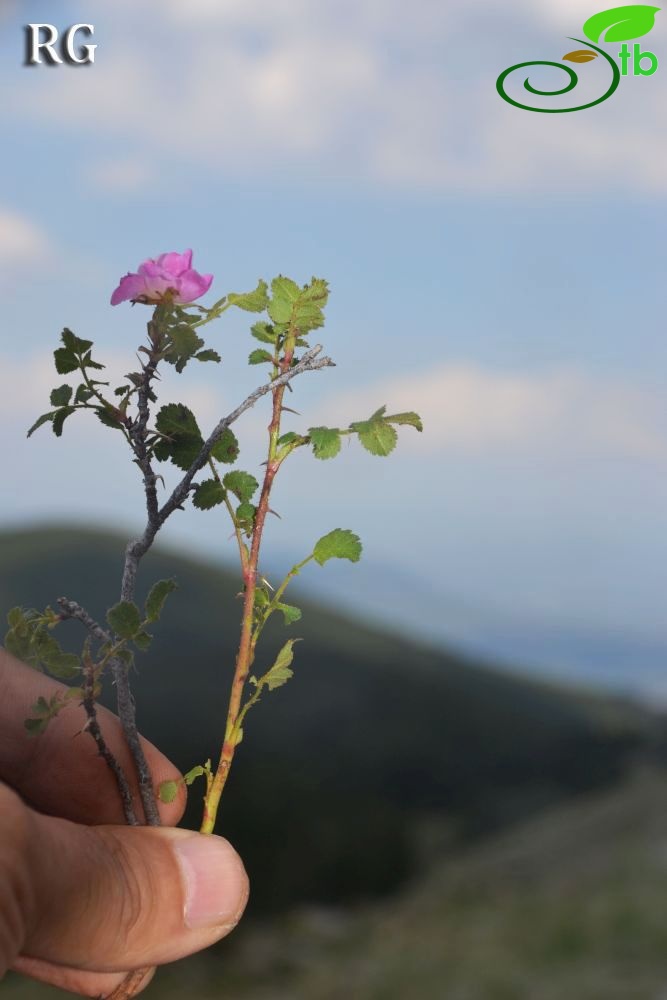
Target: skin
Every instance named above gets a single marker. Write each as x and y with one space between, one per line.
84 898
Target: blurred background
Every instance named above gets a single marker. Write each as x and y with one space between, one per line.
461 793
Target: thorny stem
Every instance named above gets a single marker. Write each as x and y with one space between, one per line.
246 650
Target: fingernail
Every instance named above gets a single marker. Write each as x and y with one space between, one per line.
215 882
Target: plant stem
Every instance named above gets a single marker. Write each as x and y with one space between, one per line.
246 651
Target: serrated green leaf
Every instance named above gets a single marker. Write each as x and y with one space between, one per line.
185 442
241 484
259 357
63 665
280 672
208 494
184 345
167 791
376 434
290 613
83 393
15 617
88 362
341 543
255 301
66 361
325 441
125 619
157 595
41 706
142 640
208 355
61 396
284 292
410 418
18 644
226 449
264 332
74 343
44 419
620 24
59 418
246 512
107 418
36 727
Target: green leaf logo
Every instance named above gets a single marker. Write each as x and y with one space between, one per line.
619 24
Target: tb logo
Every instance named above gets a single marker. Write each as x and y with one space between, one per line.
42 38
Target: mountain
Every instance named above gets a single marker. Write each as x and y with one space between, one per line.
375 733
606 657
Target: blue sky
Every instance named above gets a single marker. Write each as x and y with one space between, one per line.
499 271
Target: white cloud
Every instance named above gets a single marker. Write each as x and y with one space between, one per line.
353 90
471 410
122 175
22 242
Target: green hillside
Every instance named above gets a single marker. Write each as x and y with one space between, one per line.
373 739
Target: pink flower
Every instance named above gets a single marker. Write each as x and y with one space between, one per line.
170 276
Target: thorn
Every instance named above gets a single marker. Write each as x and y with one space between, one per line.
288 409
275 512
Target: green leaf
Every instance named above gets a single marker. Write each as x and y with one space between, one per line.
325 440
291 613
15 617
18 644
208 355
193 773
338 544
36 727
280 672
41 706
66 361
59 418
259 356
241 484
62 665
83 393
255 301
185 442
88 362
285 292
74 343
246 512
619 24
184 344
142 640
264 332
410 418
157 595
208 494
61 396
167 791
226 449
44 419
106 417
125 619
376 434
288 438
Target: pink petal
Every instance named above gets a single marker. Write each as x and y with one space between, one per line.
192 284
175 263
130 287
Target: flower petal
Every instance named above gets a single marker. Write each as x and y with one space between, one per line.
130 287
175 263
192 284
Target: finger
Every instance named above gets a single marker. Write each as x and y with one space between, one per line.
111 898
86 984
60 772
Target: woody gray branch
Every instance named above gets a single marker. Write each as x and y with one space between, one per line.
157 516
72 610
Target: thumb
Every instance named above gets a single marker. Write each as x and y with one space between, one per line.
111 898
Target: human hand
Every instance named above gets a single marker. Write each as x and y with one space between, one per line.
84 899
